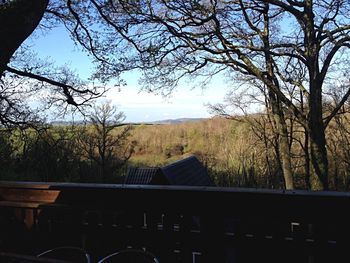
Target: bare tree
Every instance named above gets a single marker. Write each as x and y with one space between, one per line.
104 141
266 40
23 76
274 119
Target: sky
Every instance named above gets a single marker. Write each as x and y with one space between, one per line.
137 106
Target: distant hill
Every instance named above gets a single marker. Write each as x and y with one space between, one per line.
65 123
177 121
167 121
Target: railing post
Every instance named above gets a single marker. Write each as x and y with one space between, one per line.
186 221
212 236
168 239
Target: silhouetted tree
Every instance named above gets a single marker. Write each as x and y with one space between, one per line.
46 153
23 76
104 140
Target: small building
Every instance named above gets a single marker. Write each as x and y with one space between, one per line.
189 171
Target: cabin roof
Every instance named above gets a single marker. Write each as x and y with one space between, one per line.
141 175
188 171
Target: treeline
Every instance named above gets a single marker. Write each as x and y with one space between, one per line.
60 154
244 151
240 152
94 152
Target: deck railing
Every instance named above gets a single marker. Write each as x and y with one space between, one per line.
178 224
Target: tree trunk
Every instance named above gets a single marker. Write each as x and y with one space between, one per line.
307 160
306 148
276 106
316 126
319 154
18 20
284 150
285 156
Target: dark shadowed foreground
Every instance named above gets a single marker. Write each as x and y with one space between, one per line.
176 223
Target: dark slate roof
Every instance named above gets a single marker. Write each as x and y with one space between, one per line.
140 175
188 171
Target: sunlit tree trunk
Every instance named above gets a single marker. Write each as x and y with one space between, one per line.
276 105
283 142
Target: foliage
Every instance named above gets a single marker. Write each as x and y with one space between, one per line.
6 152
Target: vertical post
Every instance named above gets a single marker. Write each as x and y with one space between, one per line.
212 236
186 222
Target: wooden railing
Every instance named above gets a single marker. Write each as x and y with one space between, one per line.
178 224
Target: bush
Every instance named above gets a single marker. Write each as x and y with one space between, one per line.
172 150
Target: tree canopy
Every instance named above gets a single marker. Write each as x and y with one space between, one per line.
23 76
286 45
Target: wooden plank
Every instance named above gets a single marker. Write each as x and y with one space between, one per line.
28 195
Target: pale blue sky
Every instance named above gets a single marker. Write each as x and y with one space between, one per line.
137 106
